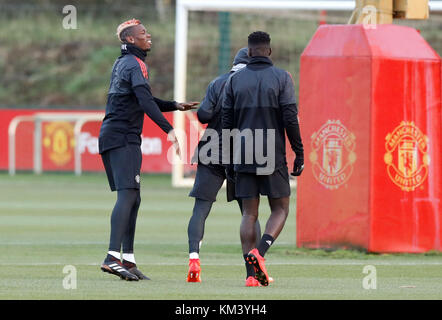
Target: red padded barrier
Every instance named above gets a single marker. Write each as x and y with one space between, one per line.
370 111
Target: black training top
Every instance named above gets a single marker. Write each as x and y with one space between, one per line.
261 96
129 97
210 112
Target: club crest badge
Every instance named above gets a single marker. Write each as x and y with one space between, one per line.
407 156
333 154
59 141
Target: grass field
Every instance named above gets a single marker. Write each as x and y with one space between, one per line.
53 220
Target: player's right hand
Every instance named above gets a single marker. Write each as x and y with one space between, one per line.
187 105
172 137
298 166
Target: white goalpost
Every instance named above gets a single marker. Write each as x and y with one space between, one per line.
184 7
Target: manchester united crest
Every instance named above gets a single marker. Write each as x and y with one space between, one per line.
407 156
333 154
59 141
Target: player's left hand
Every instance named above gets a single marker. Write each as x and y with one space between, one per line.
187 105
173 138
298 166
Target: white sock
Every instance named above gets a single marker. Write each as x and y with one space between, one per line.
194 255
129 257
115 254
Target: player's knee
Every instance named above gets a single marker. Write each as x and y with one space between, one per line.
129 196
138 199
281 211
250 214
285 210
279 206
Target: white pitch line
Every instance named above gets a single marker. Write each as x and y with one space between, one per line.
54 206
80 243
322 263
34 205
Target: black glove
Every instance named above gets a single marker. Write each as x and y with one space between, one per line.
298 166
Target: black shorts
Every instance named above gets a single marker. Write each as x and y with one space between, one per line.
208 181
123 167
276 185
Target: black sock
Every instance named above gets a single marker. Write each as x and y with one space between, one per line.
249 268
265 243
195 230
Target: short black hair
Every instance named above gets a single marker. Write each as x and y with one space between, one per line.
259 38
126 33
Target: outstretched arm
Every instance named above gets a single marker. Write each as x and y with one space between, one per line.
150 107
147 102
166 106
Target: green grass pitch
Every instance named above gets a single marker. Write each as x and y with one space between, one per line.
54 220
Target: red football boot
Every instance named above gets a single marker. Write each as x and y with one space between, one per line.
194 274
252 282
259 264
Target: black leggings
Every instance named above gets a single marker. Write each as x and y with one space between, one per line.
123 220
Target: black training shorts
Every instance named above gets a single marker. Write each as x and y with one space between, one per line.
208 181
276 185
123 166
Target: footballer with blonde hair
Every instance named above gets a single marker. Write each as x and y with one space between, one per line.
129 98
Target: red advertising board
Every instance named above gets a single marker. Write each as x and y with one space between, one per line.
58 144
370 105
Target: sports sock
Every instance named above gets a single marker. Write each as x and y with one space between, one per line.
120 217
195 230
129 257
265 243
112 256
249 268
194 255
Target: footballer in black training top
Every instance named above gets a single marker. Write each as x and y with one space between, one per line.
211 173
260 100
129 98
